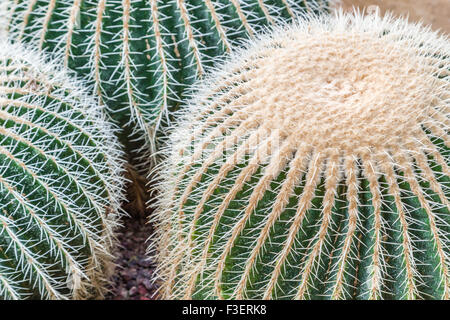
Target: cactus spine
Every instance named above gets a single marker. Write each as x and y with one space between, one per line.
60 182
313 165
141 55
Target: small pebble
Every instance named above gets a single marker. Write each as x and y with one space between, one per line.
147 284
133 291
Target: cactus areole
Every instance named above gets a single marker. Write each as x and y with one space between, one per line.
314 164
60 182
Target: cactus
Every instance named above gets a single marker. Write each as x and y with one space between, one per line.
60 182
141 55
313 164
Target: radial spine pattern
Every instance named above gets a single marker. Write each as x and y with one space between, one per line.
60 182
313 165
141 55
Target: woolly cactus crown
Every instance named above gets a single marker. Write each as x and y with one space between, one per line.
313 164
60 182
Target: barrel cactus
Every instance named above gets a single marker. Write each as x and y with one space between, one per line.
313 164
60 182
141 55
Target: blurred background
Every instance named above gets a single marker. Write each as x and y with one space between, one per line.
434 12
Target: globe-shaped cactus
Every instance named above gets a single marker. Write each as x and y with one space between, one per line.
140 56
60 182
314 164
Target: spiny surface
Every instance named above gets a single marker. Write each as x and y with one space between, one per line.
313 165
60 182
141 55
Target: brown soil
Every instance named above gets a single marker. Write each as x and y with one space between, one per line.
132 279
434 12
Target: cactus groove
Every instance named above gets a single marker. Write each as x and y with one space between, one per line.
142 55
314 164
60 182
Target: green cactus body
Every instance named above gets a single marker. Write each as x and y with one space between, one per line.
313 165
60 183
142 55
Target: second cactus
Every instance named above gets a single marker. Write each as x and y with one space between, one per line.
313 165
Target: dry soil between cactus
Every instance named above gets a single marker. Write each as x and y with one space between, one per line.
133 275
